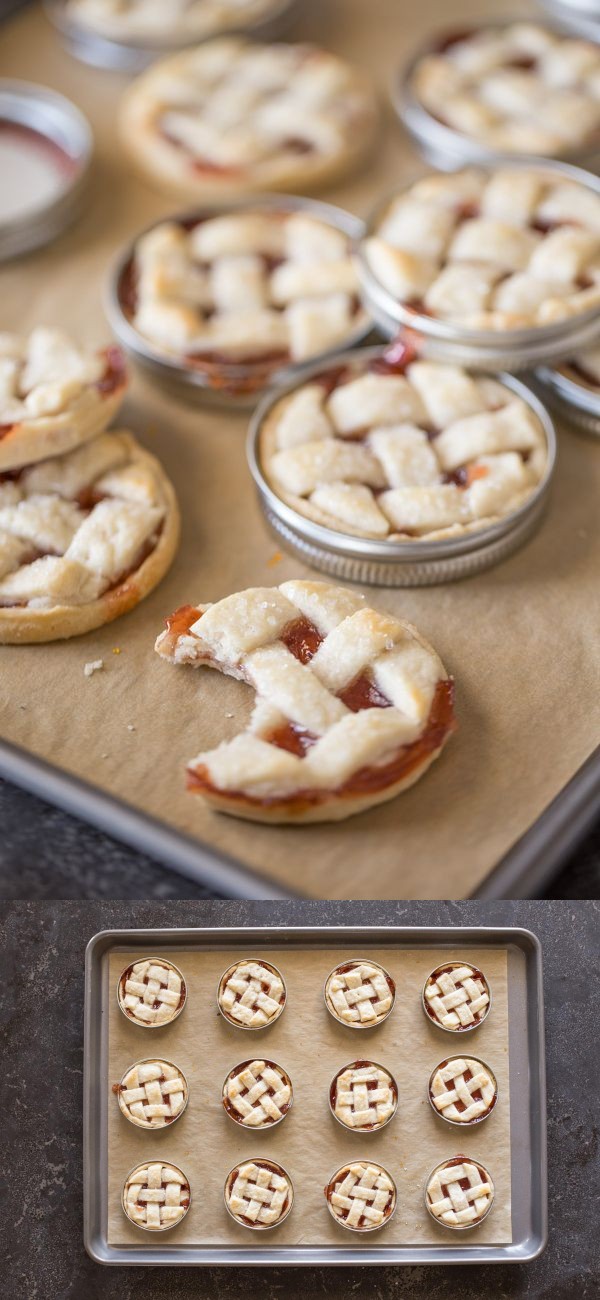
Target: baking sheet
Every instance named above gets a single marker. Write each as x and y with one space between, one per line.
521 639
312 1047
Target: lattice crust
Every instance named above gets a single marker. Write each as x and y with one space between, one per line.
54 395
153 20
460 1193
427 454
152 1094
491 249
362 1196
252 994
584 368
96 527
152 992
231 116
360 993
156 1196
244 286
364 1096
259 1194
463 1090
519 88
343 693
457 997
257 1094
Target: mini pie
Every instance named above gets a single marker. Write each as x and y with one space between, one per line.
518 88
360 994
463 1090
352 705
54 395
257 1094
416 450
152 1094
456 997
361 1196
459 1193
495 249
363 1096
262 286
156 1196
251 994
259 1194
83 538
166 21
230 117
151 992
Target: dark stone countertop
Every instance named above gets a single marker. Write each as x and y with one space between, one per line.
41 978
44 853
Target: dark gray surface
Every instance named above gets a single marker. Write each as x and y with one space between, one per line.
45 853
42 1024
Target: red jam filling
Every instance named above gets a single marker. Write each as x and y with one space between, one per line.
180 622
302 639
4 429
115 373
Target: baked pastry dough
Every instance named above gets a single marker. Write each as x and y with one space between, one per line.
495 249
360 994
151 992
230 117
361 1196
83 538
459 1193
54 395
518 88
156 1197
251 994
457 997
173 22
428 453
363 1096
463 1090
584 369
264 286
259 1194
352 705
257 1094
152 1094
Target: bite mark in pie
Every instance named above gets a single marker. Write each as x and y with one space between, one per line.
361 1196
352 705
459 1193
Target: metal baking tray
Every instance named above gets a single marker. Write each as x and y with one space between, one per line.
527 1086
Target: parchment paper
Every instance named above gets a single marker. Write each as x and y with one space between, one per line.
522 639
311 1146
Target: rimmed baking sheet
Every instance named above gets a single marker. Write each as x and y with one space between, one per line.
312 1047
521 640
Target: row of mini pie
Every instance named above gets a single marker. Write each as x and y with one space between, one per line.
359 993
258 1094
361 1196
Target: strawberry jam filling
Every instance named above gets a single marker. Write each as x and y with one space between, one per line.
114 375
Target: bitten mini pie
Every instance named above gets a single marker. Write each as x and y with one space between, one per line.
361 1196
459 1193
463 1090
251 994
54 395
352 705
151 992
231 116
456 997
83 538
514 88
259 1194
156 1196
359 994
363 1096
152 1094
257 1094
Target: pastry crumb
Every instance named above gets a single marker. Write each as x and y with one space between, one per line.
276 558
93 666
116 650
130 726
104 756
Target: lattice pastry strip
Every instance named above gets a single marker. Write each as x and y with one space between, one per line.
257 1094
463 1090
152 1094
151 992
460 1193
156 1196
457 997
259 1194
343 693
430 453
361 1196
364 1096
